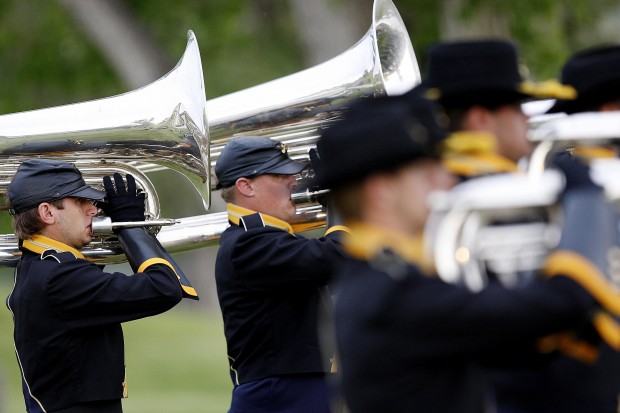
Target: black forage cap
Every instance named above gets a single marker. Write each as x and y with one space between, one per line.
247 157
45 180
379 134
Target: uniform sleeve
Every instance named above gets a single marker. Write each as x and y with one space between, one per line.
269 257
438 319
496 316
85 295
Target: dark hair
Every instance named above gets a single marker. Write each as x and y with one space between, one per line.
456 118
27 223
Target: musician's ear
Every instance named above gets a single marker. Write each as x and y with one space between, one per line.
244 187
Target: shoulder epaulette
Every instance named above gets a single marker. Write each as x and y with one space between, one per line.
251 221
59 256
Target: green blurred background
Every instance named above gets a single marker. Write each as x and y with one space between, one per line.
57 52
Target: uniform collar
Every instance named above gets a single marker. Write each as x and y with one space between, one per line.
235 213
39 244
467 153
365 241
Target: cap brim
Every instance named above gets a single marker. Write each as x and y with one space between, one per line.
287 167
87 192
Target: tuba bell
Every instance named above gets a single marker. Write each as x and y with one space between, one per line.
299 106
164 126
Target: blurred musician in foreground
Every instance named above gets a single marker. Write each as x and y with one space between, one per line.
481 88
271 283
567 385
407 341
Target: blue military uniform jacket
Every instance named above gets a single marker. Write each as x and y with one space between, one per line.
270 285
67 313
409 342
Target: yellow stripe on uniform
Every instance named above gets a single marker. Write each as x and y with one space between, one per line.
608 328
39 244
236 212
468 153
334 228
152 261
586 274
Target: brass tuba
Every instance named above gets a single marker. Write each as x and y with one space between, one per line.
507 224
164 125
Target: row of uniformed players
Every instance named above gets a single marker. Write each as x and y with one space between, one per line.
406 341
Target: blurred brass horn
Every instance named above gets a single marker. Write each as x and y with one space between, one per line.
506 225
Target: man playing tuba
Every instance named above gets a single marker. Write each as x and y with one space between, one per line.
271 284
67 310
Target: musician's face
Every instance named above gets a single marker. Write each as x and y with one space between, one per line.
509 125
272 195
412 186
70 224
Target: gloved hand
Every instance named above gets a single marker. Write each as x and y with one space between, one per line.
123 204
315 162
576 172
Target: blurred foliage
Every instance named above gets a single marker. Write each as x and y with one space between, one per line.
547 31
46 60
241 43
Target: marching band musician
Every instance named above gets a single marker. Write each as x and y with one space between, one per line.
67 310
567 385
479 85
481 88
407 341
271 283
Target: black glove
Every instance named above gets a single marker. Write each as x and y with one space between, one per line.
140 247
315 162
576 172
333 217
123 204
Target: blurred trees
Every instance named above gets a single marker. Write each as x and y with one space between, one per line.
48 58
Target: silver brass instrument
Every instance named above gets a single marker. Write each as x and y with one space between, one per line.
507 224
504 224
295 108
580 129
164 125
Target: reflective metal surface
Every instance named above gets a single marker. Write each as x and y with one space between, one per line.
507 224
294 109
501 223
162 124
165 125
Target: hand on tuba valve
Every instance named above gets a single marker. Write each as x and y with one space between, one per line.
123 203
125 208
